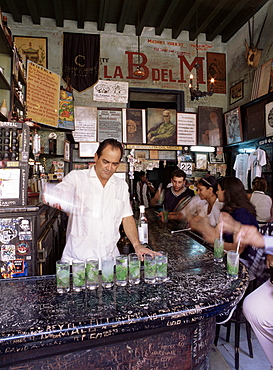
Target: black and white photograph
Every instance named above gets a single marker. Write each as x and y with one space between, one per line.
269 119
217 157
233 126
201 161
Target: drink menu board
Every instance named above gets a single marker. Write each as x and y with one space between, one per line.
43 90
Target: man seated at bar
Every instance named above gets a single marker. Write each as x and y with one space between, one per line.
98 203
173 196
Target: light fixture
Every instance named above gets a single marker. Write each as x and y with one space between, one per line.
196 94
247 150
139 72
202 148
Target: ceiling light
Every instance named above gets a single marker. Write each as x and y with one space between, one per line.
202 148
196 94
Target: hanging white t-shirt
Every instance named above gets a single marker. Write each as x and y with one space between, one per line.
256 160
241 168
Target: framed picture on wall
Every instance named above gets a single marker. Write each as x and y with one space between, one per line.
134 126
210 126
33 49
269 119
201 161
236 92
233 126
216 158
161 126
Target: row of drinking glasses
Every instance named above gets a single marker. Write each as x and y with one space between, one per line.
86 274
232 258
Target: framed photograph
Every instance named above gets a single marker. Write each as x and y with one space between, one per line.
201 161
236 92
66 151
134 126
254 121
161 126
233 126
216 68
33 49
216 157
269 119
210 126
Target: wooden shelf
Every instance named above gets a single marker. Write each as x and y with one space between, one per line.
4 84
5 47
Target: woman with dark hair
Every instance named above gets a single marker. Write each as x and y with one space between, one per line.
207 189
205 204
232 192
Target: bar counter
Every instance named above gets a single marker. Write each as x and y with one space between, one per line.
148 326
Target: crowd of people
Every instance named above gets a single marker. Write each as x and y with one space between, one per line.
223 205
99 204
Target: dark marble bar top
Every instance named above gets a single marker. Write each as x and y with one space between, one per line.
34 315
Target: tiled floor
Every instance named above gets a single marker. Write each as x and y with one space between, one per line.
258 362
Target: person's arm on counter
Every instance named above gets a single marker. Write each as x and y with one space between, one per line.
130 229
247 234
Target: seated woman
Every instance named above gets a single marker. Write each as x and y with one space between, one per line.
261 201
207 188
232 193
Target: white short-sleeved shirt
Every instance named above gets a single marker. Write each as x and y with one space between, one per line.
256 160
241 168
262 204
93 228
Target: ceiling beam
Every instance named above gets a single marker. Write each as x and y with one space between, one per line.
58 9
183 23
167 16
212 14
104 6
229 32
33 11
17 16
81 9
240 5
143 19
125 11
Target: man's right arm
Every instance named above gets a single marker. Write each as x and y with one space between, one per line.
154 200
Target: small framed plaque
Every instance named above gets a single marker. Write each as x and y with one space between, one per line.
87 148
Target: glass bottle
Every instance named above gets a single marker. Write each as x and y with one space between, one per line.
4 108
142 226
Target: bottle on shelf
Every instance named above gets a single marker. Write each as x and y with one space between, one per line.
4 108
142 226
7 30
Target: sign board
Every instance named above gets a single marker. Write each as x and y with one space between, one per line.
43 91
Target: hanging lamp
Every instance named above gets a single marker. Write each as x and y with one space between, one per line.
139 72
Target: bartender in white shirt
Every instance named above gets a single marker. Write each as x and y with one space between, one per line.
97 202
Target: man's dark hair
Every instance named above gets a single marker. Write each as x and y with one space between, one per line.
178 173
113 143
